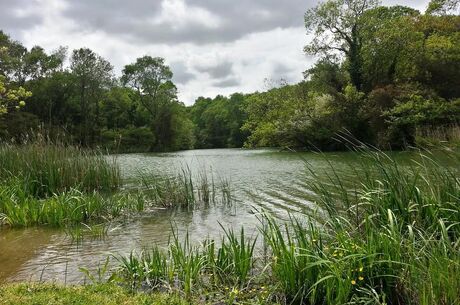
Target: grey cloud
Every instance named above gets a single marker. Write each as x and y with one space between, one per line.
220 70
237 18
231 82
281 70
131 19
181 73
14 18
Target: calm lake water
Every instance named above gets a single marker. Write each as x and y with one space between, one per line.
259 179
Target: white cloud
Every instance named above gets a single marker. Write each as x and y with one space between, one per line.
178 14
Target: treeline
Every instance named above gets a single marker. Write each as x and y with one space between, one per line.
76 98
390 76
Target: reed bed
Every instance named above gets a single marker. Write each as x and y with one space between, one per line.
42 170
189 268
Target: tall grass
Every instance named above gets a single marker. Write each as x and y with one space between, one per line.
403 222
438 136
188 267
42 169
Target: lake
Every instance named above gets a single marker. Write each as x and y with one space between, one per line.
262 179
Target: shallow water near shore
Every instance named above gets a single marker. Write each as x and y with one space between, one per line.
263 179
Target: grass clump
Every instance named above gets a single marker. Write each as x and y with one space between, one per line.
184 190
187 268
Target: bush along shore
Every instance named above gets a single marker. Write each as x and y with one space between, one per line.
392 238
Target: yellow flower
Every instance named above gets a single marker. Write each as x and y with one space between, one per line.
361 269
353 282
361 278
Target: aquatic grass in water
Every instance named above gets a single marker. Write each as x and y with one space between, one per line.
184 189
60 210
42 170
80 231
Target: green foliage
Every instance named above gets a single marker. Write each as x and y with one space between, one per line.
403 65
218 121
294 116
128 139
11 98
443 7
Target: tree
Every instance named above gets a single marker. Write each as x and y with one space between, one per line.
92 74
18 64
389 45
151 78
336 28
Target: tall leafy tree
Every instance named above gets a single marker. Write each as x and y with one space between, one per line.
335 26
92 75
151 78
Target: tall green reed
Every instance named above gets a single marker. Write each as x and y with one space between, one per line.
42 169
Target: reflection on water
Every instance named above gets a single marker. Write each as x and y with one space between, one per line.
273 181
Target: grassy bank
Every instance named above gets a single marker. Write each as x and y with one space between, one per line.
37 294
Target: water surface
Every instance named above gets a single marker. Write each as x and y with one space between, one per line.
260 179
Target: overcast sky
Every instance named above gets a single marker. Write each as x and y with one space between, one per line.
213 46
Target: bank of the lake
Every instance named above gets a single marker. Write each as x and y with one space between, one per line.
47 294
301 228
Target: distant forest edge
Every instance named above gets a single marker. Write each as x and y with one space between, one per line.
390 76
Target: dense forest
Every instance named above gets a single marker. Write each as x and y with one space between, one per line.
390 76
